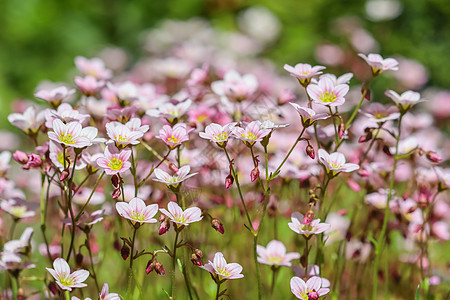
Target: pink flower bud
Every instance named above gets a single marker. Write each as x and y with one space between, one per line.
433 157
309 217
364 173
217 225
173 167
165 225
150 266
116 194
79 259
53 288
196 260
313 295
64 174
229 181
341 127
34 161
310 151
115 180
125 251
254 174
20 156
159 269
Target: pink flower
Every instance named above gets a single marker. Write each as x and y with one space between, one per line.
312 289
335 162
126 91
304 72
235 87
71 134
327 93
218 134
56 153
220 268
275 254
114 161
54 96
299 226
380 113
89 85
251 134
94 67
65 113
18 208
378 64
106 295
180 217
170 111
124 135
406 100
174 136
136 211
64 278
312 271
444 177
181 175
29 121
308 115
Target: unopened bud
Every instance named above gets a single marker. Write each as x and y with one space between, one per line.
20 156
217 225
363 173
165 225
365 138
34 161
115 180
310 151
125 251
173 167
53 288
79 259
313 295
366 90
198 252
159 269
116 245
150 266
116 193
433 157
341 127
196 260
229 181
161 218
309 217
254 174
64 174
386 150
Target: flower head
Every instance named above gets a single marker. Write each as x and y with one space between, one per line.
180 217
275 254
235 87
72 134
299 225
54 96
65 113
29 121
136 211
64 278
335 162
378 64
18 208
380 113
170 111
89 85
181 175
220 268
217 133
174 136
252 133
124 135
94 67
106 295
304 72
406 100
312 289
308 115
327 93
114 161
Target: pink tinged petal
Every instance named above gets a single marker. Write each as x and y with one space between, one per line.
297 217
219 261
53 136
137 204
208 267
125 167
234 268
341 90
322 227
80 275
124 155
165 212
61 266
174 208
183 171
290 69
53 273
326 84
294 227
74 128
323 291
193 214
150 211
123 209
351 167
314 283
314 91
161 175
298 286
102 162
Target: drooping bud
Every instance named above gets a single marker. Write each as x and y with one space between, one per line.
116 193
309 217
386 150
341 126
433 157
366 90
53 288
364 173
173 167
285 96
165 225
217 225
125 251
64 174
196 260
313 295
34 161
115 180
229 181
150 266
310 151
254 174
161 218
20 156
79 259
159 269
198 252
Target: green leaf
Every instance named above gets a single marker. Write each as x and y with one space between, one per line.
417 292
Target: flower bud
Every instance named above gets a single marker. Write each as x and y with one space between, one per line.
341 127
79 259
20 156
386 150
116 245
198 252
64 174
173 167
159 269
196 260
116 193
53 288
310 151
165 225
309 217
229 181
150 266
161 218
313 295
115 180
254 174
217 225
34 161
433 157
125 251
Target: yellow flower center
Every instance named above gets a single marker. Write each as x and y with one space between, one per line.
223 272
18 211
275 260
221 136
180 218
172 139
137 216
121 138
115 164
250 136
201 118
66 138
66 280
327 97
334 165
379 115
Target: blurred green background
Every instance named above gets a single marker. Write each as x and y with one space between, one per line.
40 38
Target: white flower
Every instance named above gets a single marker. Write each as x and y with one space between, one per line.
64 278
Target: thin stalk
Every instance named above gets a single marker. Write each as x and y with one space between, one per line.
274 279
72 217
15 287
218 290
90 196
162 159
13 227
130 272
174 263
290 151
94 274
336 135
306 256
67 295
133 172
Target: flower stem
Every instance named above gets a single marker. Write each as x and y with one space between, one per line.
289 153
15 286
90 196
130 275
174 263
67 294
218 290
274 279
